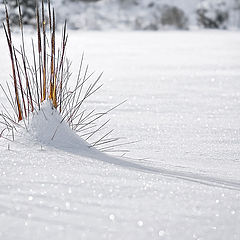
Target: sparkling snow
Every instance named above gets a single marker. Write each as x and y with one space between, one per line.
183 94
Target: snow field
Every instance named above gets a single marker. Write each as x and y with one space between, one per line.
183 104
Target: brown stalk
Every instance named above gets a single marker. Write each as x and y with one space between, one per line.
61 65
53 75
9 40
35 71
39 50
49 16
44 51
20 83
27 80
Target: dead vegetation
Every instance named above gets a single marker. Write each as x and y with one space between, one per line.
45 76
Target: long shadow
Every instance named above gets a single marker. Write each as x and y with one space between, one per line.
63 138
92 153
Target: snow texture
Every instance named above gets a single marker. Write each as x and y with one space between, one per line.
183 104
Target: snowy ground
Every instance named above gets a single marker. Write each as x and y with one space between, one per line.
183 104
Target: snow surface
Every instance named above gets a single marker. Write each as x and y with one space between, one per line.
47 127
183 104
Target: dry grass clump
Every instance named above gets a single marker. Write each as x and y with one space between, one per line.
46 78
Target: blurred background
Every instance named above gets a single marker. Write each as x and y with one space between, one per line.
137 14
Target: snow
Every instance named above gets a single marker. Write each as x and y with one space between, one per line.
49 128
183 104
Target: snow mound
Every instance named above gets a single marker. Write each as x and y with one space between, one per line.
48 127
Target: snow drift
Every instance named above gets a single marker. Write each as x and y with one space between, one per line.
48 127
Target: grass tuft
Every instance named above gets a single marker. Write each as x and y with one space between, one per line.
46 78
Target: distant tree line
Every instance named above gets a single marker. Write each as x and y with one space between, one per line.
27 8
210 13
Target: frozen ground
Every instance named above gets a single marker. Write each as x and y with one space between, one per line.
183 104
